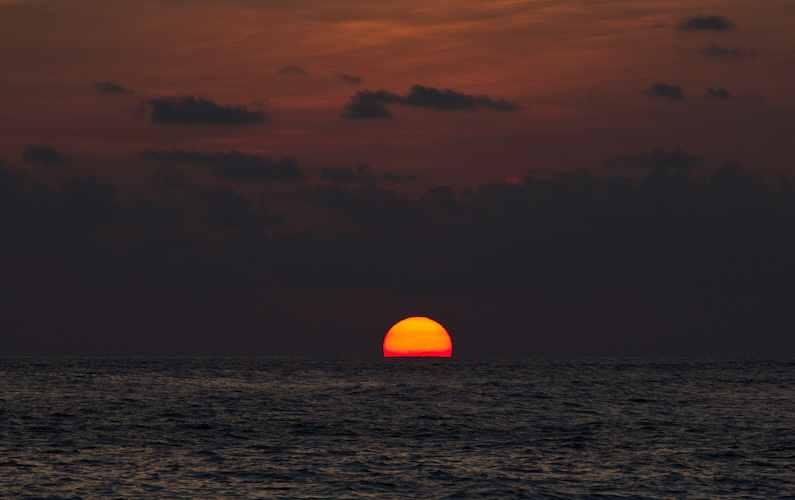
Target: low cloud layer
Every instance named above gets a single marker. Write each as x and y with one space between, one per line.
372 104
712 22
661 90
234 165
191 110
664 241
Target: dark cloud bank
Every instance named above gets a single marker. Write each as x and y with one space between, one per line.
190 110
658 264
372 104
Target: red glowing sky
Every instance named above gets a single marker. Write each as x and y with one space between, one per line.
577 68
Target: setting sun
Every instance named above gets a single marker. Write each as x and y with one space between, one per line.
417 337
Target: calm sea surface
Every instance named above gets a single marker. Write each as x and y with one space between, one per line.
396 428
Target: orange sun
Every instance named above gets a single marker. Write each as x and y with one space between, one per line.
417 336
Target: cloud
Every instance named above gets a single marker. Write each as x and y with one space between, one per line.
372 104
44 154
190 109
429 97
665 241
718 94
719 52
363 173
350 78
369 104
111 88
705 23
662 90
292 69
235 166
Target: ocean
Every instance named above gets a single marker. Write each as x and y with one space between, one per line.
225 428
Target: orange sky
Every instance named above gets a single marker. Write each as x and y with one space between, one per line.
578 68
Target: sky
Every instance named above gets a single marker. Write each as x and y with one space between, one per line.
543 178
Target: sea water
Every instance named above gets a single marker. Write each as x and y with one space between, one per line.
159 428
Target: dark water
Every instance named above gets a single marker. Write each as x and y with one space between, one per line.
396 428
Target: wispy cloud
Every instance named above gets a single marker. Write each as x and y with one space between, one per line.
190 109
718 93
350 78
111 88
720 52
711 22
665 91
292 69
372 104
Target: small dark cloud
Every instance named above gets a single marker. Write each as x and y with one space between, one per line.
190 109
656 158
705 23
350 78
446 99
372 104
362 173
662 90
111 88
292 69
719 52
718 94
369 104
236 166
44 154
